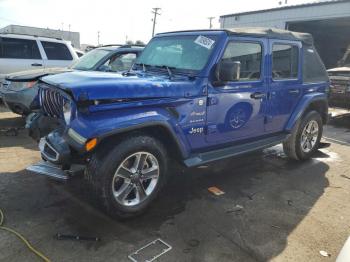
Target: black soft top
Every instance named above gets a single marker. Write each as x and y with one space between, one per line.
272 33
259 32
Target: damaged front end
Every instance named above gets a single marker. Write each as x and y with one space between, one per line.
62 149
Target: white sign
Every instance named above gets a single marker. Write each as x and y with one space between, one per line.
204 41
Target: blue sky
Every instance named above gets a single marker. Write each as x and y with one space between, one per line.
118 19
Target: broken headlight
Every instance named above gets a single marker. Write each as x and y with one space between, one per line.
67 111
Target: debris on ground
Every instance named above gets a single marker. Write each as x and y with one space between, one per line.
151 251
250 196
345 176
275 226
73 237
9 131
236 208
216 191
290 202
324 253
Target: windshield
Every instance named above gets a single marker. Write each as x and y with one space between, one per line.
178 52
90 59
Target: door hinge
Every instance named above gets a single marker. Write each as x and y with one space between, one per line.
212 100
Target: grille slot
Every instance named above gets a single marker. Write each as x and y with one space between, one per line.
339 82
51 102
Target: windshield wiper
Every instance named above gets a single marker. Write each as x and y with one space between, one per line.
168 68
143 66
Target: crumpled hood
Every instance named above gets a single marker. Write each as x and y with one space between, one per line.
32 75
102 85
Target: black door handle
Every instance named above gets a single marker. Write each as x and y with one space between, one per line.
37 64
293 91
257 95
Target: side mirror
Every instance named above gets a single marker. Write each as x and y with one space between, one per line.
227 71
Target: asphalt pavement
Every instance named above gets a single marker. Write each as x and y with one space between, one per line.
272 209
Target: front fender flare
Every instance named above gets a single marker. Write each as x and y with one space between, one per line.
180 145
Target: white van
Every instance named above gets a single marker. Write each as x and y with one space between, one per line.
25 52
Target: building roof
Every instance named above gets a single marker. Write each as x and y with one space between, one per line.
287 7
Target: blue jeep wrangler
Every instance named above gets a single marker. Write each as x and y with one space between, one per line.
191 96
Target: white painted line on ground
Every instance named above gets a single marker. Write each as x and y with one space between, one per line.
344 255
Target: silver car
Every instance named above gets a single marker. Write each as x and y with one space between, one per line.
20 91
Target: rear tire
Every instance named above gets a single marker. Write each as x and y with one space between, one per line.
127 178
305 138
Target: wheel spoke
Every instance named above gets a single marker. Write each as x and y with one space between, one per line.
309 127
309 145
305 145
139 161
124 172
125 190
314 131
149 173
303 139
140 191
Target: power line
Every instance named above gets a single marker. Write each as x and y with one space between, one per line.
155 12
210 21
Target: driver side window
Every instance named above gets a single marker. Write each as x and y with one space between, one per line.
248 55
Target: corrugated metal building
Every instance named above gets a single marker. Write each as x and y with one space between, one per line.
73 37
327 21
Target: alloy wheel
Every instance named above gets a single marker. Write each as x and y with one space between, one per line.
135 179
309 136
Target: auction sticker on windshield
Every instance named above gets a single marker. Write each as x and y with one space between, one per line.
204 41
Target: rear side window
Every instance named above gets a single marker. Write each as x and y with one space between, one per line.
313 67
19 48
249 56
285 61
56 51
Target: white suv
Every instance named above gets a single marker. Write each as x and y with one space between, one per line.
25 52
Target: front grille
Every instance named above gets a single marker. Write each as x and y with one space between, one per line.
339 82
51 101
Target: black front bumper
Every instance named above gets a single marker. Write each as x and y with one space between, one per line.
59 160
55 149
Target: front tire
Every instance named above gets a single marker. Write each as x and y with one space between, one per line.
305 138
127 178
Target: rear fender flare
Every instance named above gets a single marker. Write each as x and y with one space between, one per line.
302 107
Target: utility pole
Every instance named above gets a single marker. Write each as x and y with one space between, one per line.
98 38
155 12
210 23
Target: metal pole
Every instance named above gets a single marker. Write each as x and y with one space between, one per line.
98 38
210 23
155 12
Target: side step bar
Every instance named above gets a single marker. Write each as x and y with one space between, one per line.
202 158
48 169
